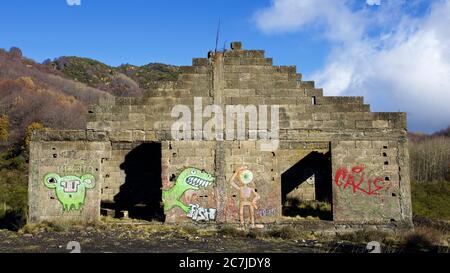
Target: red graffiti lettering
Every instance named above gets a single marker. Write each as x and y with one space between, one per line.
347 179
357 169
378 187
340 173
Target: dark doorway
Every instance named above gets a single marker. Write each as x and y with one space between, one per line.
315 170
140 195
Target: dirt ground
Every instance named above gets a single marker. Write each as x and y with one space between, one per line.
159 238
148 239
122 241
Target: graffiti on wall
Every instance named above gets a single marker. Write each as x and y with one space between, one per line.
348 180
190 179
164 177
270 212
231 205
70 190
75 168
248 196
198 213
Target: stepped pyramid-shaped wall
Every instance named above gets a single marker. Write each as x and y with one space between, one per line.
329 149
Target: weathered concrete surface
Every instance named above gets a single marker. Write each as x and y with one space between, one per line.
331 149
66 159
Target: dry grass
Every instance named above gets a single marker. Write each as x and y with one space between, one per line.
425 237
49 227
365 236
310 210
286 233
231 231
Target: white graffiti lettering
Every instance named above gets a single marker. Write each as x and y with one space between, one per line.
198 213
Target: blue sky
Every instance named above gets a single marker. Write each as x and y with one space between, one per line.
396 53
142 31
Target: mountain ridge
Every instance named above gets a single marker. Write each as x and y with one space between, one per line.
57 93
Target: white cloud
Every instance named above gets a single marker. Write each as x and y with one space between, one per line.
292 15
373 2
406 67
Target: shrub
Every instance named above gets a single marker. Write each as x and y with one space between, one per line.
34 126
12 219
431 200
189 230
26 82
229 230
256 233
423 237
364 236
13 190
46 227
314 209
286 232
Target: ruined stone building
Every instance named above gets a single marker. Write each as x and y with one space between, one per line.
329 149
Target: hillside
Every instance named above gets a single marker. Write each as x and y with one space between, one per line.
125 80
419 137
56 93
30 92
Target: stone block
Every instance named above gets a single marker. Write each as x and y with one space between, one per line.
236 45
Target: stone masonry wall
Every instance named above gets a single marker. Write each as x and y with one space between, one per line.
308 120
366 182
74 172
179 155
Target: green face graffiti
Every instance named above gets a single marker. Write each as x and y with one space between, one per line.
189 179
70 190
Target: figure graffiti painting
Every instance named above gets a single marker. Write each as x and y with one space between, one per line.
189 179
70 190
247 194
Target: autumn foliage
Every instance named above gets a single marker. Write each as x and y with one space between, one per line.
57 93
31 94
4 128
34 126
26 103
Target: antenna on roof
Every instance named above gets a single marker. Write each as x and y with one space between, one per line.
217 35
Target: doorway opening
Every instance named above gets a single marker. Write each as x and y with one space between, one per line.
141 193
306 187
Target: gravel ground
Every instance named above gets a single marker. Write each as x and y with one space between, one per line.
143 239
157 238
